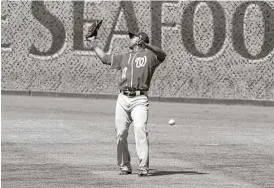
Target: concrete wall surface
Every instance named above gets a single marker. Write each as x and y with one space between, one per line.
219 50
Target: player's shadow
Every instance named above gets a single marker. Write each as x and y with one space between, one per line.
172 172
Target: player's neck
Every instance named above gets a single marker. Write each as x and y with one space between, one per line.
137 48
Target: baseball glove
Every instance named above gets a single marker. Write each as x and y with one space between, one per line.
93 29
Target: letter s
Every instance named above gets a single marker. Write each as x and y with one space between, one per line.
53 24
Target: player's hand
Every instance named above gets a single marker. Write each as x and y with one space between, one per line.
92 42
90 39
140 42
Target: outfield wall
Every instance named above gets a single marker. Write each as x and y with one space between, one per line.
219 50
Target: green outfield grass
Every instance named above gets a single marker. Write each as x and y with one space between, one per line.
62 142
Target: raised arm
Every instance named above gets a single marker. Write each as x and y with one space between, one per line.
112 60
161 55
99 52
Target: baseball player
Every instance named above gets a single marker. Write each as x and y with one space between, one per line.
136 68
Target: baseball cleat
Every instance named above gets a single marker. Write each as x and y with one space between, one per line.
125 170
142 172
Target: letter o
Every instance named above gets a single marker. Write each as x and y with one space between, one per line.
219 23
238 30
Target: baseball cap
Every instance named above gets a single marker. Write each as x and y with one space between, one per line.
141 34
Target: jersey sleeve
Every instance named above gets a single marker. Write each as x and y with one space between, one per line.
114 61
157 60
154 56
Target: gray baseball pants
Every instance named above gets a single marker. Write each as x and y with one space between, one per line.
128 110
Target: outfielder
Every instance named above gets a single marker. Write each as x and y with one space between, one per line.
137 68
